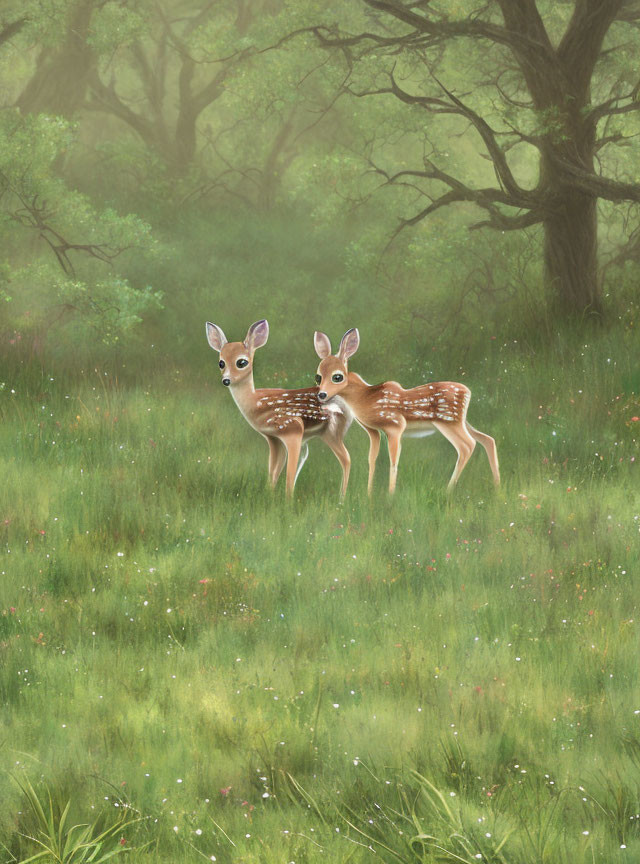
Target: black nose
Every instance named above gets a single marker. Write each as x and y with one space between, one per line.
322 395
226 381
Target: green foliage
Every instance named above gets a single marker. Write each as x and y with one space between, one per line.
75 242
289 138
115 25
77 844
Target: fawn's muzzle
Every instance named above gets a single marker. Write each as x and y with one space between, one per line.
322 395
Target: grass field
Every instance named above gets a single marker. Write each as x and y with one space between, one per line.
419 679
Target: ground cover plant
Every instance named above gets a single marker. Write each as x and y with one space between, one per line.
427 678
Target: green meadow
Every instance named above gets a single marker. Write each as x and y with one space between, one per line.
215 673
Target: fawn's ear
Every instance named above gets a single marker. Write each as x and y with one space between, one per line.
349 344
257 335
215 336
322 344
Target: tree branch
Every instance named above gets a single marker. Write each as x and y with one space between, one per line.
595 184
450 29
486 198
497 154
10 30
610 108
580 47
518 196
106 99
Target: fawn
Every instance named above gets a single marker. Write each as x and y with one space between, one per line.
397 412
287 419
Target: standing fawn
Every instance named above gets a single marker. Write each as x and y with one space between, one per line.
397 412
287 419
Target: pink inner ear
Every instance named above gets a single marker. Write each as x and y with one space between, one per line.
349 345
215 337
322 344
257 335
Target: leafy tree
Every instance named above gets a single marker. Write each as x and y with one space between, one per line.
177 66
538 76
210 92
65 248
67 39
58 83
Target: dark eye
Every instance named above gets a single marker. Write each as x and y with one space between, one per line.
318 379
242 362
337 377
221 364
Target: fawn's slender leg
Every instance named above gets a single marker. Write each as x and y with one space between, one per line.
342 454
458 435
304 455
394 432
293 443
277 455
394 439
489 445
374 449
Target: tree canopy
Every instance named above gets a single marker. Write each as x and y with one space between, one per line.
386 133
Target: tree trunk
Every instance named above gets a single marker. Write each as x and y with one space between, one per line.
60 81
185 140
274 166
571 227
571 254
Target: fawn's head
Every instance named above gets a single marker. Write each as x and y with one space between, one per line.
331 376
236 358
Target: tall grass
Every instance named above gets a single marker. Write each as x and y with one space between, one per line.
418 679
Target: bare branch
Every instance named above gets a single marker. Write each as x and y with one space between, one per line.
497 154
610 108
595 184
518 196
36 215
106 99
614 138
444 28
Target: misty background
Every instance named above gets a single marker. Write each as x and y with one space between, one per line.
323 165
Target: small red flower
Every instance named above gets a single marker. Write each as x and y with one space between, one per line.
225 791
122 841
590 611
635 419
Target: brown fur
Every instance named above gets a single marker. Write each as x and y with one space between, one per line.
287 419
391 409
